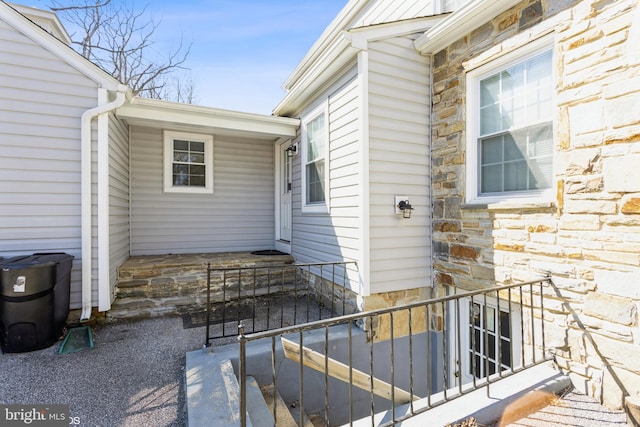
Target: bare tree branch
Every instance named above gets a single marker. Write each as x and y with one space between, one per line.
121 41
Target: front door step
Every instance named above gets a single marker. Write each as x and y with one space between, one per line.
161 285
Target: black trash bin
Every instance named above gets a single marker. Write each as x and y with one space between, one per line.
34 300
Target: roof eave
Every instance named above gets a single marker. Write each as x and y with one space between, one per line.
169 115
361 36
51 18
338 56
21 23
326 39
340 53
464 20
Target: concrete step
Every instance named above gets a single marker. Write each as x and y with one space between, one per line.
143 307
212 391
163 285
259 413
213 394
286 416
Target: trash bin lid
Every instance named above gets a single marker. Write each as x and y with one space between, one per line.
20 262
31 275
35 260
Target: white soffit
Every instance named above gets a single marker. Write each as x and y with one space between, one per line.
361 36
186 117
461 22
46 19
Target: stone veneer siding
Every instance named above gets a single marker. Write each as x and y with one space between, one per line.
589 239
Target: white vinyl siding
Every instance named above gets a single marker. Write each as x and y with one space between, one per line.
334 237
118 196
41 101
399 164
239 216
453 5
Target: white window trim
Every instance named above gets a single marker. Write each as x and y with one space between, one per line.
459 371
315 207
169 137
515 338
472 184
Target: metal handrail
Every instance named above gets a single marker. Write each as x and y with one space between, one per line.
268 285
429 306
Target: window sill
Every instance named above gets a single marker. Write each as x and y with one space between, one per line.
188 190
509 205
318 209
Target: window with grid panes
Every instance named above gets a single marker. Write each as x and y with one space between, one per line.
314 159
511 128
188 163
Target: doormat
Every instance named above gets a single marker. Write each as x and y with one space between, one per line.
268 252
77 339
233 313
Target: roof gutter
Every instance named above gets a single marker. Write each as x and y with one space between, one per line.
334 30
334 58
85 164
467 18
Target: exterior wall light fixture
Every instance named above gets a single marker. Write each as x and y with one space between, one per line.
292 150
406 208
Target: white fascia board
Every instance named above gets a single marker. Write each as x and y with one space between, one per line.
157 113
361 36
327 38
334 59
47 19
461 22
344 49
57 47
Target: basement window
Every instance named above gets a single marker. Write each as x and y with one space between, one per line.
491 338
188 163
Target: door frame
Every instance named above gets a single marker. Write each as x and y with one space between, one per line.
279 149
457 369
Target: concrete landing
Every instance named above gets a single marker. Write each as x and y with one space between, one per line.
508 399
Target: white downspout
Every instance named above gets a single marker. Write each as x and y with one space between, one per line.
85 191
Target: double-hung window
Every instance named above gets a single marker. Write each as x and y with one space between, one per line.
188 163
510 131
315 152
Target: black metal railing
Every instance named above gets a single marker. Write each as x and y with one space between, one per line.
400 361
266 297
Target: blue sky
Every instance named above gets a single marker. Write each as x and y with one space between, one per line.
243 50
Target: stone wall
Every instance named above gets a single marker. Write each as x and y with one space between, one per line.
380 326
588 240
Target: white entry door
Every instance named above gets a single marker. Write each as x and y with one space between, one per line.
284 164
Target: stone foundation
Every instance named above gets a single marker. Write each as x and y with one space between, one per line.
151 286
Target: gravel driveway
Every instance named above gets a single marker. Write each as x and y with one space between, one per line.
134 375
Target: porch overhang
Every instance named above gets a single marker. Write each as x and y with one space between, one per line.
193 118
